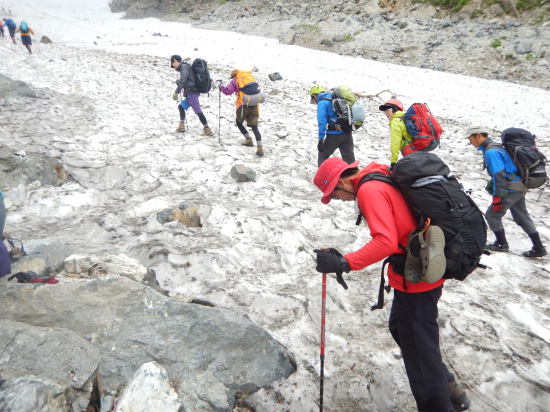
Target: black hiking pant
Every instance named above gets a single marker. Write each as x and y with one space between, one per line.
413 325
343 141
201 116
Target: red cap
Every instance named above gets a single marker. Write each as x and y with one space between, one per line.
328 174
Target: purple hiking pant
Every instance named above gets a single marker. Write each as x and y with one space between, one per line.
194 102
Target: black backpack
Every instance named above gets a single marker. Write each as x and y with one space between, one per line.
531 163
433 192
203 82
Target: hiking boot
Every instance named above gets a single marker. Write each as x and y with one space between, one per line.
181 128
247 142
413 262
434 262
535 253
459 397
497 247
207 132
259 151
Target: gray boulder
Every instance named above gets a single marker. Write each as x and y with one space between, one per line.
241 173
54 254
524 47
18 170
338 38
275 76
131 325
45 40
29 263
512 23
31 394
326 42
186 214
9 87
49 353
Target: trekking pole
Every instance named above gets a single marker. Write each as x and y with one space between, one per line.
220 110
323 310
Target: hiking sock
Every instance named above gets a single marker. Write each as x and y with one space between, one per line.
537 243
501 237
202 119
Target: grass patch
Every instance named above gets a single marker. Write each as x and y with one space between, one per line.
530 57
348 37
311 27
475 13
357 32
496 43
453 5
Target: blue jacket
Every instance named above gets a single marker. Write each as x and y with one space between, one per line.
325 114
11 24
500 167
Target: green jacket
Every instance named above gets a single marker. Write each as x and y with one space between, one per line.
400 137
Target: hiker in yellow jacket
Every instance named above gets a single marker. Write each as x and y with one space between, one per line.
26 32
400 137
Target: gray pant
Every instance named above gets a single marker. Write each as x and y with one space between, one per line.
343 141
516 203
2 216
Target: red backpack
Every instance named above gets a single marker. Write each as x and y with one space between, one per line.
423 127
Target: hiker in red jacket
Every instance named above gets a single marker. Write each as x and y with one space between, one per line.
413 317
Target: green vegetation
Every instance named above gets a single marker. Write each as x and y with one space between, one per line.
357 32
453 5
496 43
530 57
475 13
530 4
312 27
348 37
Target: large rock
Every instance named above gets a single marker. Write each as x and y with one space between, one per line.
31 394
186 214
241 173
148 390
18 170
49 353
131 325
275 76
524 47
289 37
54 254
29 263
9 87
45 40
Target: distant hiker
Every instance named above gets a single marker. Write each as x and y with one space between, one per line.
507 190
187 84
413 318
26 35
400 137
241 81
11 28
329 140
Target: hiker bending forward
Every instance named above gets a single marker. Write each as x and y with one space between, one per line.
413 317
502 170
330 140
248 114
187 84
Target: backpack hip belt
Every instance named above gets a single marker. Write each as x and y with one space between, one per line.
516 186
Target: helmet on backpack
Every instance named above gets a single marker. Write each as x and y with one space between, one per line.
315 90
391 104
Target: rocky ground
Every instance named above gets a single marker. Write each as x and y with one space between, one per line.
492 44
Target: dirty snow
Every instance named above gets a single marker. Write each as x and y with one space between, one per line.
106 111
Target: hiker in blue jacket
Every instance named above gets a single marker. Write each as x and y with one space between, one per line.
330 140
11 28
504 179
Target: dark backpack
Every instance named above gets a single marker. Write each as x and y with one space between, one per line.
530 162
24 28
433 192
423 127
203 82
